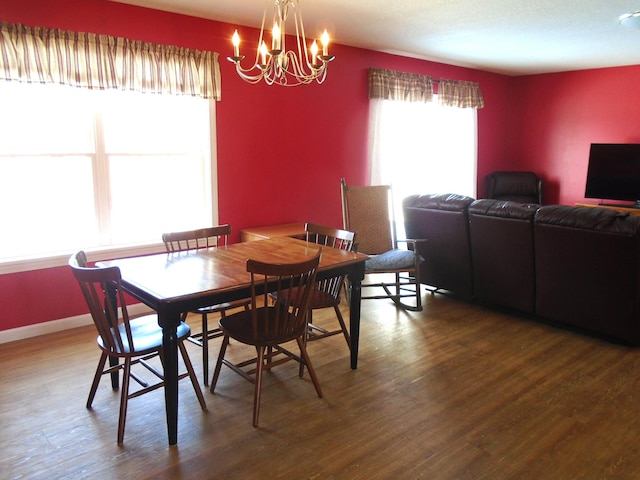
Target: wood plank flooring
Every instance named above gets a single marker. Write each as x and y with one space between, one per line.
454 392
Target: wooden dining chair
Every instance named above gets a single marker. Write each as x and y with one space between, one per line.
267 327
326 294
204 238
136 341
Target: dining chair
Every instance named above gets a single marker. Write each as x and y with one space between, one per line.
268 326
326 293
135 340
204 238
368 211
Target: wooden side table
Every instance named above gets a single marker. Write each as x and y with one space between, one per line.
285 230
617 208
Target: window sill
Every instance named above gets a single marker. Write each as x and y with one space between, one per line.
26 264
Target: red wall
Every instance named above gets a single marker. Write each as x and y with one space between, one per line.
554 118
281 152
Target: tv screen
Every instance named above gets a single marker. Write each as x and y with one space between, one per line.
614 172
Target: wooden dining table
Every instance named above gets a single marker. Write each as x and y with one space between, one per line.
173 283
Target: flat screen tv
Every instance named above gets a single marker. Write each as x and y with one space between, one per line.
614 172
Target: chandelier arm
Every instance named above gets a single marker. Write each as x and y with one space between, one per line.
298 70
243 73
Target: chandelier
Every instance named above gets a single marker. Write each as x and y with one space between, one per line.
277 65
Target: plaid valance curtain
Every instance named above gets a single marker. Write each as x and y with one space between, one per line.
401 86
459 93
88 60
413 87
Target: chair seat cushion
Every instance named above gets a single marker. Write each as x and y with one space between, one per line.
147 335
391 260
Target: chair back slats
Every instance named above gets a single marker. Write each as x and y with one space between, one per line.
102 291
368 213
331 285
200 238
292 283
330 237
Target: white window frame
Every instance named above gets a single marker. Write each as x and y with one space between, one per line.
22 264
403 153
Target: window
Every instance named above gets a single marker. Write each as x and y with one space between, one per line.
94 169
422 148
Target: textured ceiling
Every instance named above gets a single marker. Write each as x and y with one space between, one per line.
513 37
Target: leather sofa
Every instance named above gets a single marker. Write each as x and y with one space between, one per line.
574 266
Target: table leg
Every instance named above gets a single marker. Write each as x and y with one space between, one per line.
115 380
113 361
355 294
170 363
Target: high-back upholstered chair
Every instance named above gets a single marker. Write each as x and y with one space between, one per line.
368 211
522 187
266 326
203 238
136 341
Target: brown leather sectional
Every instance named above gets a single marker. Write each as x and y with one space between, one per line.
575 266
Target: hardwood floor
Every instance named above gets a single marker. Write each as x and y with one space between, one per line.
453 392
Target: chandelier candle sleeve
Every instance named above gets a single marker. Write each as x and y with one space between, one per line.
325 43
263 53
275 42
314 53
236 44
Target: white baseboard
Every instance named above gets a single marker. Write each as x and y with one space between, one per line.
68 323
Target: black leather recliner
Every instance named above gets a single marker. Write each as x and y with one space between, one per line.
502 253
522 187
443 220
588 269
